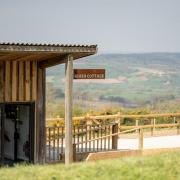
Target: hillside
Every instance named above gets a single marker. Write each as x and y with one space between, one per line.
164 166
132 80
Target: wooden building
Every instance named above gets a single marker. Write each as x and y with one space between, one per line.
22 97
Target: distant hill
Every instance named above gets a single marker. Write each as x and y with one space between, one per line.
131 79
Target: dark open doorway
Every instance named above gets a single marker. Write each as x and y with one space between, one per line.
17 132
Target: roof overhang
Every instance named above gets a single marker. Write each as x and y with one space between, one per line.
46 54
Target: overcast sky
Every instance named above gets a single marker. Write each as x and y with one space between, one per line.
115 25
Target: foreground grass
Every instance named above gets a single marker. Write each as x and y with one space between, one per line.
164 166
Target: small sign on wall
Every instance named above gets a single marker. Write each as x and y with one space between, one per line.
89 73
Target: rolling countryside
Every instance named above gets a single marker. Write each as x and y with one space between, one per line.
132 81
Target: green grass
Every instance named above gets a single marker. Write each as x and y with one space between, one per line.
157 167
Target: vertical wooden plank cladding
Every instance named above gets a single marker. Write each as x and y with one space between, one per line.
27 81
18 81
1 81
34 80
43 122
8 81
40 117
24 81
14 81
33 98
21 81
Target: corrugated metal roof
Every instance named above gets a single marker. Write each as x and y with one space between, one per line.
44 44
42 52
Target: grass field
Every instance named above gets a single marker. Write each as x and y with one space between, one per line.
164 166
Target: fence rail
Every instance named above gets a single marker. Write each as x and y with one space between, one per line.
55 143
140 130
103 137
116 117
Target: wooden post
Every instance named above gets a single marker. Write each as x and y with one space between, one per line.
178 127
88 120
88 126
152 129
118 120
68 110
115 138
153 122
40 125
141 139
74 152
137 124
174 120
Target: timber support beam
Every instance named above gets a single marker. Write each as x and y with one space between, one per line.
68 109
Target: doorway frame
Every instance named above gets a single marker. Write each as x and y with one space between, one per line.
32 129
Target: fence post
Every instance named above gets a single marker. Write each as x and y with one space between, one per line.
152 131
88 124
153 122
118 120
178 127
88 120
141 139
74 152
174 120
115 138
137 124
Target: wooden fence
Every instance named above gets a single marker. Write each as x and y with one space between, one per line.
55 143
104 136
116 118
140 132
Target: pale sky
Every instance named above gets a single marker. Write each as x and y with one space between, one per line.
115 25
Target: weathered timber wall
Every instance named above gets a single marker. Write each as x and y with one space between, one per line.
24 81
18 81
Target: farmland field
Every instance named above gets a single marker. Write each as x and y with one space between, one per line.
132 81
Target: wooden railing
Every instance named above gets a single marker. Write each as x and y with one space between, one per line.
103 137
55 143
139 129
116 117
